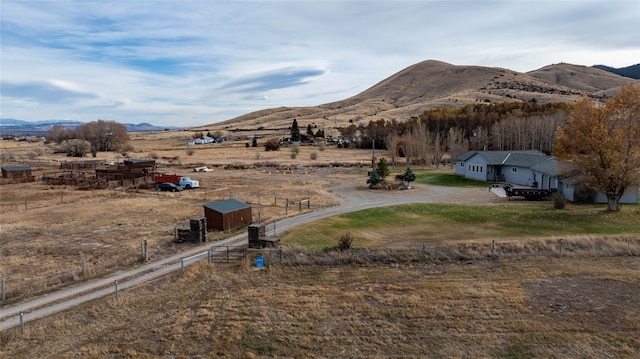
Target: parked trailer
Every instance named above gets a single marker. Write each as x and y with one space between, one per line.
182 181
530 194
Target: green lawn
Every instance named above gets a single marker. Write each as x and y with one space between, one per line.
423 223
450 179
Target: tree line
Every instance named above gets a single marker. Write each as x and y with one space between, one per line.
91 137
423 139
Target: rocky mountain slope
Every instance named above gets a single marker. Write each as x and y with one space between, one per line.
432 84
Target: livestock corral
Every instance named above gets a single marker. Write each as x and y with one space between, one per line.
88 216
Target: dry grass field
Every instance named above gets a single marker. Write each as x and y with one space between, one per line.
401 307
353 304
48 230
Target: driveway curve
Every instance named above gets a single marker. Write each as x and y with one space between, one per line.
352 195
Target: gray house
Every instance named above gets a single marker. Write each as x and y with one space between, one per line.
501 166
532 169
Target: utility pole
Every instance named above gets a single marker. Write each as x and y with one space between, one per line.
373 153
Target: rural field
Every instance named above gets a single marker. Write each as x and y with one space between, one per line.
462 275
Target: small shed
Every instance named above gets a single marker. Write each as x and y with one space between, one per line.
227 215
16 172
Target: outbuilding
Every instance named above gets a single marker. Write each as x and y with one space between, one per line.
16 171
227 215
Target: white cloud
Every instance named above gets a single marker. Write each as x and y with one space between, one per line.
190 63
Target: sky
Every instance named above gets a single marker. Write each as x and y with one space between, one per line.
188 62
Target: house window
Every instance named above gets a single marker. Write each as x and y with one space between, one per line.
461 164
514 169
490 170
481 169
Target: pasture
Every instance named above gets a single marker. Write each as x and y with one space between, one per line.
421 280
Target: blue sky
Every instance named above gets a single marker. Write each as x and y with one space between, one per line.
189 62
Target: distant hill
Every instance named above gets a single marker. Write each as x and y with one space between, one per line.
435 84
14 127
632 71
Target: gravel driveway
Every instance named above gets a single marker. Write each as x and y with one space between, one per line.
352 195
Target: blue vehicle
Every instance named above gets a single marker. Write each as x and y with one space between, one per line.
167 186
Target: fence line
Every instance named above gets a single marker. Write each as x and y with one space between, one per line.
462 251
494 250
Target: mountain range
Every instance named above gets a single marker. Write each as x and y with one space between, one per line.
420 87
435 84
10 127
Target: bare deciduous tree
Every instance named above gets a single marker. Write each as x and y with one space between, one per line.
392 144
103 135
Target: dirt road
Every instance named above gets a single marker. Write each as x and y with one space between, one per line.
353 196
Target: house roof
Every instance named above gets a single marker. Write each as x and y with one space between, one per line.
138 160
16 168
226 206
507 158
465 156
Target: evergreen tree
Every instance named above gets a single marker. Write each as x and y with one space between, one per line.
310 130
409 176
374 178
383 168
295 131
254 142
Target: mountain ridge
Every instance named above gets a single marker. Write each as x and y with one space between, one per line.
432 84
14 127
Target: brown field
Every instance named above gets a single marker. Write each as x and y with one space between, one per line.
538 307
313 303
51 229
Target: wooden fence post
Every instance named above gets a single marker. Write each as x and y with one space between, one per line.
3 292
560 245
21 322
116 288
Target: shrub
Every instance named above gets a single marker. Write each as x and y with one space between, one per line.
190 150
295 148
374 178
7 156
272 144
322 146
74 147
346 242
126 148
153 155
314 155
32 155
558 201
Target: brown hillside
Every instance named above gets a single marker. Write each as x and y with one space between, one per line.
582 78
432 84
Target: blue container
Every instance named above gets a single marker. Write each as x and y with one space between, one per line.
259 262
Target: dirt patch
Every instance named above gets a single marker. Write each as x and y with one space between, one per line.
587 301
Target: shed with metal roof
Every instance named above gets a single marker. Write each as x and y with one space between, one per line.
16 171
227 215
